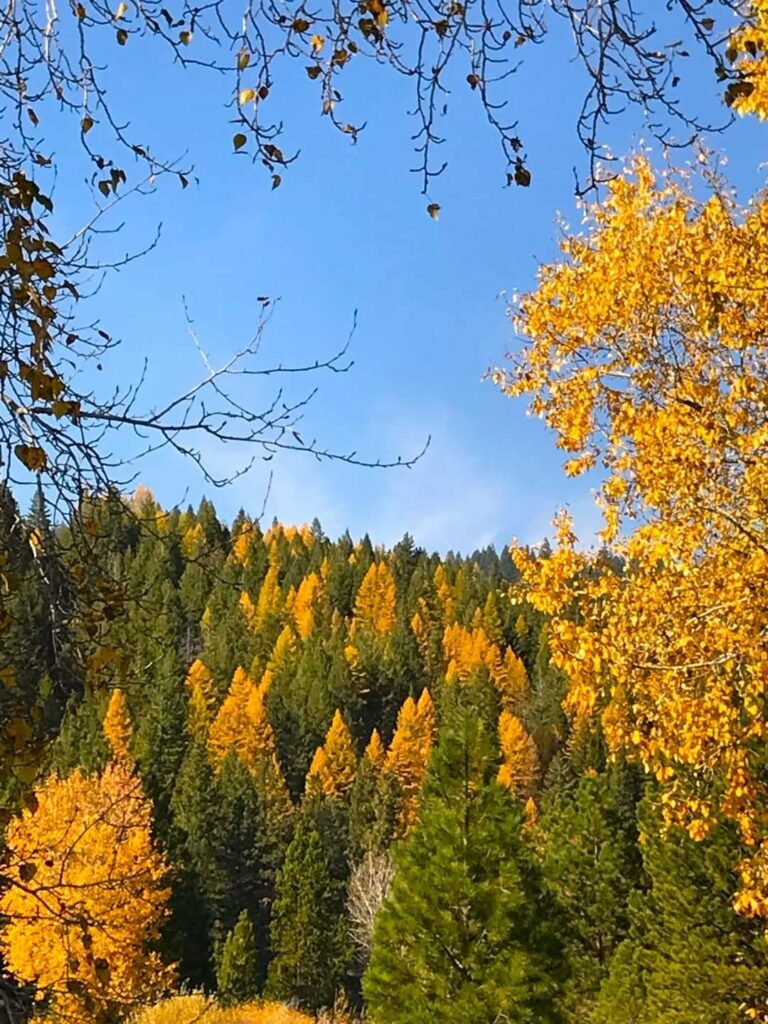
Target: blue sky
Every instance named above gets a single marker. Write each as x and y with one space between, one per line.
348 231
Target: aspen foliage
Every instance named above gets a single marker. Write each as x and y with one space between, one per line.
117 726
645 348
376 601
748 52
520 770
409 752
85 895
201 1009
376 751
242 723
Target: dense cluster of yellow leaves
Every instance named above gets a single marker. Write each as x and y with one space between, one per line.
86 890
335 763
242 722
520 770
409 751
376 601
646 348
200 1009
117 727
748 52
467 650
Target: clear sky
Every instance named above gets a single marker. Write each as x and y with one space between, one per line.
348 231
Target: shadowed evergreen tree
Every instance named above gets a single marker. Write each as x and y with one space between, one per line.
467 933
308 931
237 967
689 958
591 865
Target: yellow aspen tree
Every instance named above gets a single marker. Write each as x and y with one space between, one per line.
376 601
341 757
644 348
85 895
117 727
748 52
376 752
520 770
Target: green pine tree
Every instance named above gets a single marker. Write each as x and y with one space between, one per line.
466 934
308 932
591 865
689 958
237 967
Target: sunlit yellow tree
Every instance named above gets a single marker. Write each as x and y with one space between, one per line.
86 890
644 349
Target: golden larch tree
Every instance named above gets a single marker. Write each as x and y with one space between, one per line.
306 604
513 684
409 752
117 726
341 756
242 722
335 763
376 601
85 896
376 752
520 770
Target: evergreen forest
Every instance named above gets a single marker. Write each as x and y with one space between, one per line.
303 776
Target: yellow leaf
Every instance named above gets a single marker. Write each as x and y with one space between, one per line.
246 95
122 10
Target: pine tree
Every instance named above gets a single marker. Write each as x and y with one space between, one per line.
689 956
308 933
466 934
237 970
591 865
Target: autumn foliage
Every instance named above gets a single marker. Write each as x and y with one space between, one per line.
86 895
644 349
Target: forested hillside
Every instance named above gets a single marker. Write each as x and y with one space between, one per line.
259 740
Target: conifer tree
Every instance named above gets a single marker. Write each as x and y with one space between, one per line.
689 956
591 865
237 971
308 934
117 726
409 751
466 934
520 770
